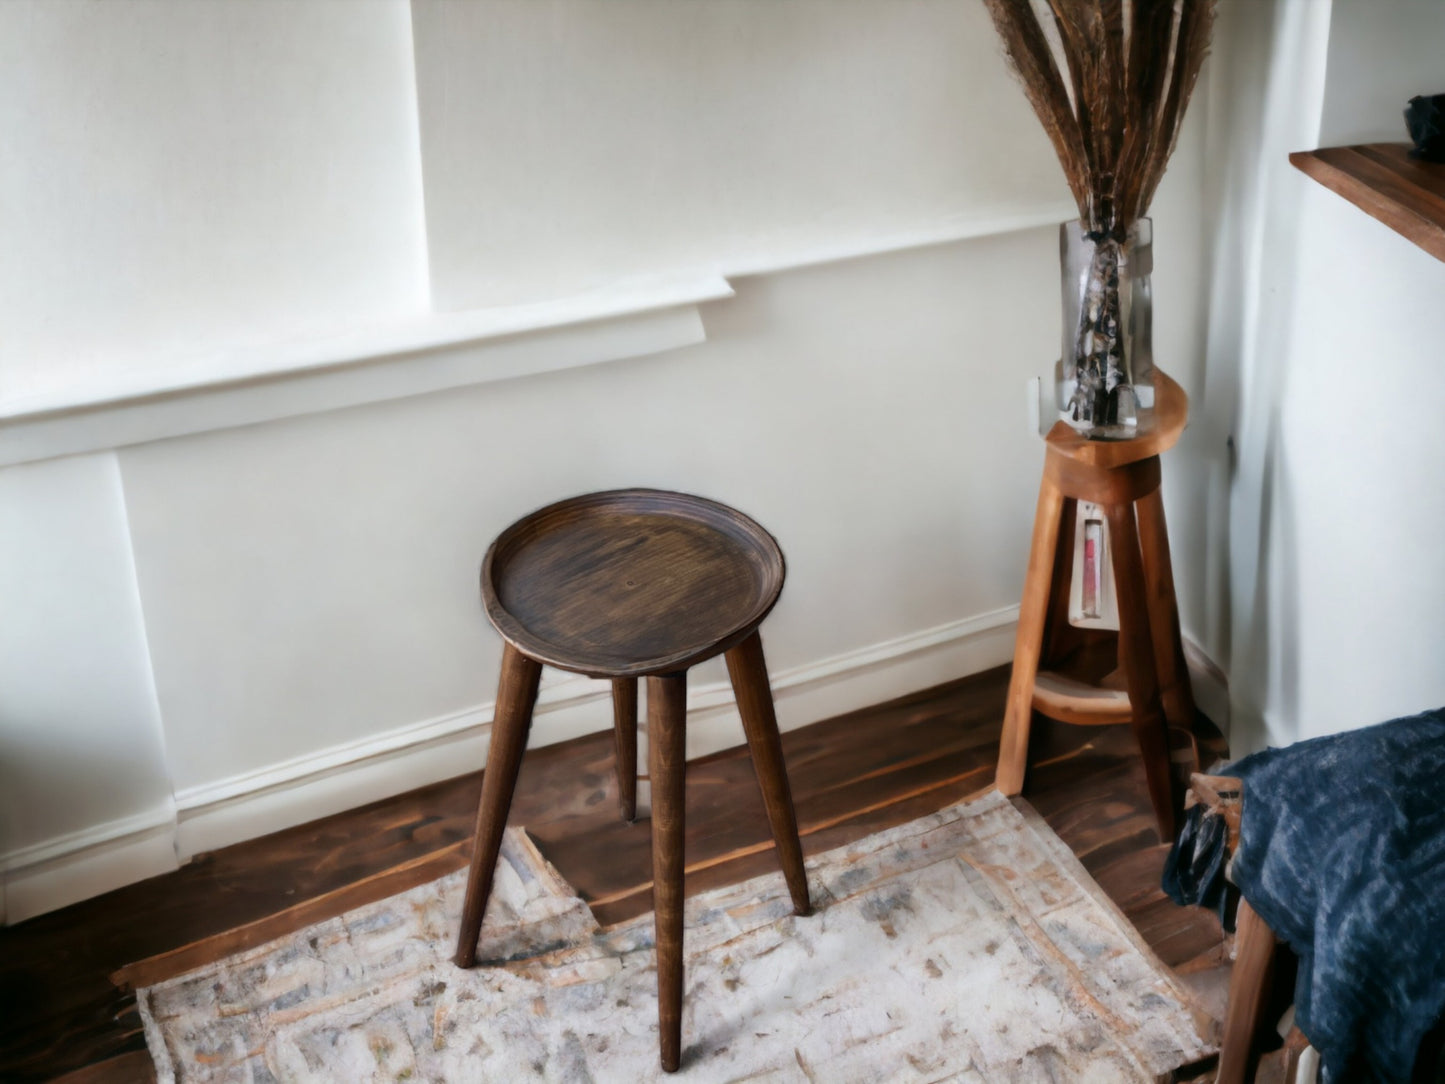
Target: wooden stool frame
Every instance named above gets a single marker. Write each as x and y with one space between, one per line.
523 655
1123 477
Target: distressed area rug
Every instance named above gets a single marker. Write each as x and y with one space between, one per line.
969 945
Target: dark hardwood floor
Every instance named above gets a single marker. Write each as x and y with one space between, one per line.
66 978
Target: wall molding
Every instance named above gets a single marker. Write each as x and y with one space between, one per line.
350 371
87 862
953 229
220 387
203 818
1210 685
216 365
85 839
342 777
68 868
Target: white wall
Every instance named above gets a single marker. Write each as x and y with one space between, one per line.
648 136
303 613
1194 486
82 757
1359 473
313 581
181 179
1381 54
1325 328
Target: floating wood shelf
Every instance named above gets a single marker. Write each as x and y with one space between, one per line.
1404 193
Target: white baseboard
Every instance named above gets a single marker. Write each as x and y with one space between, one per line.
79 865
1210 684
67 869
84 864
344 777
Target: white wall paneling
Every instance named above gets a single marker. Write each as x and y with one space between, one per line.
82 758
567 142
426 355
184 179
1324 328
814 242
312 581
1265 99
1359 593
340 778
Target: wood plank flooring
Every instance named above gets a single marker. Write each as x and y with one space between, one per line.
62 1011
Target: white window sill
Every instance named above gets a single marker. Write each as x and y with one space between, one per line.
427 353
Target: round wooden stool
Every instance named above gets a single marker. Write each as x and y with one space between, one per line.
1117 475
622 585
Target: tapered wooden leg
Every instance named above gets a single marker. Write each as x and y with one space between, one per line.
1137 651
1248 989
624 737
1174 686
749 672
516 695
667 768
1013 750
1060 636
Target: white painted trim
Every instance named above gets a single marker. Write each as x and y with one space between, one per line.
980 639
218 366
221 388
852 662
414 334
68 868
209 368
945 231
316 389
298 769
1210 684
570 706
78 865
84 839
316 785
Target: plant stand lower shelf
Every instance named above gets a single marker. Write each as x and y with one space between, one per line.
1150 690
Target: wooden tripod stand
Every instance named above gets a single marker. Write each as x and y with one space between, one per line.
1120 476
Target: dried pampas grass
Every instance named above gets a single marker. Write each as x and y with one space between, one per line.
1131 66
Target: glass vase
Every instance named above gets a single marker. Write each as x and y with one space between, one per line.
1106 372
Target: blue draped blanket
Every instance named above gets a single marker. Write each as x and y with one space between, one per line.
1342 853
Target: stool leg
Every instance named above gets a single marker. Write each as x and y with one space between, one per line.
667 768
1059 635
624 737
1013 749
1255 946
516 694
1137 651
749 672
1174 684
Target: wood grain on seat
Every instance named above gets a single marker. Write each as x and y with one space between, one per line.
630 582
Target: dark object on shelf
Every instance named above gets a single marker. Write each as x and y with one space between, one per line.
1425 120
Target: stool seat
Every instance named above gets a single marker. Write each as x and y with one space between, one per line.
630 582
1171 416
